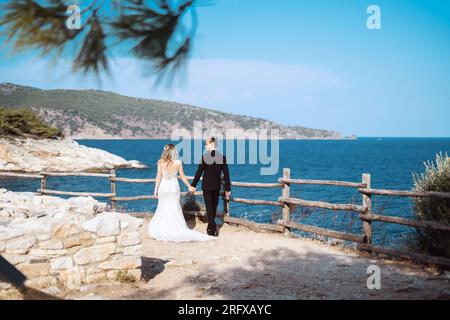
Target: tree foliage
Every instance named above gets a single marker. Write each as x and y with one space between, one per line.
435 178
25 123
153 29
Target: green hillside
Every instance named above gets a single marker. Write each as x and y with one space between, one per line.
91 112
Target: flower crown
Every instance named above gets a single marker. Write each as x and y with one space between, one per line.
168 146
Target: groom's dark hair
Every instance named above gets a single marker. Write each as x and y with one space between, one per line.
211 140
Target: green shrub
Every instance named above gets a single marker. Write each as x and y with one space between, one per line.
124 277
435 178
25 123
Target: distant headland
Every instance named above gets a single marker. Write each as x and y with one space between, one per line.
96 114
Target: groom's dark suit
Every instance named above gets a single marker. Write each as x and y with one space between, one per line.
212 165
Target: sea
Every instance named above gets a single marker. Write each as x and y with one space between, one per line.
390 162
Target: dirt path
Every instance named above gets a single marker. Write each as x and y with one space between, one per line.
243 264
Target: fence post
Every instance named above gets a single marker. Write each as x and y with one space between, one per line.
43 184
113 189
226 205
286 193
367 204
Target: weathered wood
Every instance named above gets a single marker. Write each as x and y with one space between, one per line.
320 204
322 231
256 184
286 193
202 214
21 175
43 183
367 205
400 193
132 198
253 225
132 180
226 204
254 201
189 194
76 174
76 194
140 214
113 189
197 214
150 197
406 255
323 182
407 222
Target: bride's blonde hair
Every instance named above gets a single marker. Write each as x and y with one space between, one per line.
169 154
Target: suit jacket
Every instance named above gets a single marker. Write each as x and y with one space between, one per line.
212 165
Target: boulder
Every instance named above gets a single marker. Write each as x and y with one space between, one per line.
72 278
121 263
52 244
133 250
129 238
104 224
130 223
93 254
80 239
34 270
106 239
10 233
61 263
39 227
20 245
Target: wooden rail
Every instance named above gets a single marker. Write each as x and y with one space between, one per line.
323 182
322 231
254 201
415 194
321 204
407 222
254 225
21 175
286 204
76 194
406 255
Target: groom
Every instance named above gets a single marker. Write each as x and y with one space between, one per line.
213 164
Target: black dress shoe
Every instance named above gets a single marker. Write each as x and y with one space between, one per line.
216 233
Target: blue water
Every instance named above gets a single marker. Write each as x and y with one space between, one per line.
390 161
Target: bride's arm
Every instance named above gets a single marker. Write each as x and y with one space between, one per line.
158 179
183 176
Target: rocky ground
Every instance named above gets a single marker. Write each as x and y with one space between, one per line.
29 155
243 264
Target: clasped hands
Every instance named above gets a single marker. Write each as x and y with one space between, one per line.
193 189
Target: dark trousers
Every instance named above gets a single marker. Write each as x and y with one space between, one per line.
211 198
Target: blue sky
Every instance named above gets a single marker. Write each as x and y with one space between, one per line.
309 63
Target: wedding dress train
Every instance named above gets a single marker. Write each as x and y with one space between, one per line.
168 223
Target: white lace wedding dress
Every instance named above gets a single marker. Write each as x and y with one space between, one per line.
168 223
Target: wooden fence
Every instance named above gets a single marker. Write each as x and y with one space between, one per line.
286 203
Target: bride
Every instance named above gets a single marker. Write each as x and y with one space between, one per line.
168 223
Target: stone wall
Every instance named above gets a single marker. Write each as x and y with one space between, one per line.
67 242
